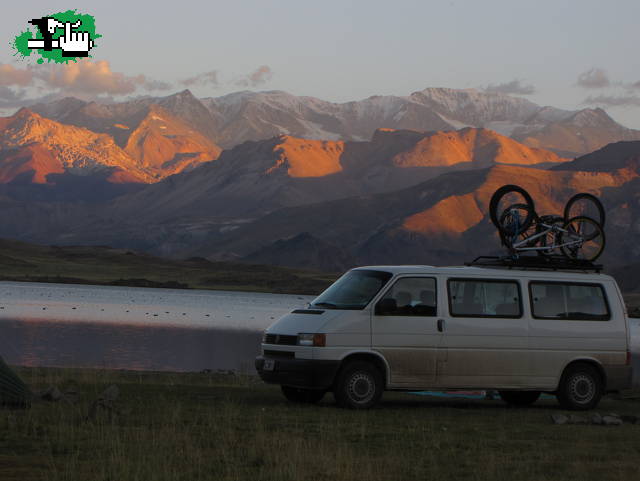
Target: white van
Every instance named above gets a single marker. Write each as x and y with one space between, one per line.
410 328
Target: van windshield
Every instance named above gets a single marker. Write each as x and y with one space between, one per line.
354 290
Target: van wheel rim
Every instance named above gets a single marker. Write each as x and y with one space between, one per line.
582 388
361 387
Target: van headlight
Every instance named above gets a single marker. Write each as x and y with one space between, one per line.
308 339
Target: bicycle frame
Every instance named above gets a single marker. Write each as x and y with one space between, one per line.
521 246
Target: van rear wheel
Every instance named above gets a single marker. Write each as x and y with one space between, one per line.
581 387
359 385
519 398
299 395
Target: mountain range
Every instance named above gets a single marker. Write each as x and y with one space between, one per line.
304 182
255 178
440 221
59 157
235 118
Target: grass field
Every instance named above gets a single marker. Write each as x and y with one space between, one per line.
213 427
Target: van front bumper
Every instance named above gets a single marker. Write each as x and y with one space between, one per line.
301 373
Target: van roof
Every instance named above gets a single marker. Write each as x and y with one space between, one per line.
490 272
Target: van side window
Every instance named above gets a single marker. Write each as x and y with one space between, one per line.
484 298
409 296
568 301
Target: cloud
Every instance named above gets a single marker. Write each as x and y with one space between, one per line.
89 77
204 78
614 100
212 78
262 75
9 98
9 75
258 77
86 79
514 87
596 78
76 78
150 84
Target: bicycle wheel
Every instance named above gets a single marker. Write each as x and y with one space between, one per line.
551 238
504 199
582 238
512 221
585 205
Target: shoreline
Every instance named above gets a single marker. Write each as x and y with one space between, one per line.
151 284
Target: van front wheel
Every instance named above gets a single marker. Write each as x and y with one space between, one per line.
580 388
359 385
519 398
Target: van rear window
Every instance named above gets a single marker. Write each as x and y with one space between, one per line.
568 301
484 298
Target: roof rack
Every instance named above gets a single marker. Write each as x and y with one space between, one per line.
556 263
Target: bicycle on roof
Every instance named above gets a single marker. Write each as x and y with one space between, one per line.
577 234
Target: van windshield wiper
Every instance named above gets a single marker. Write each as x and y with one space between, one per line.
328 305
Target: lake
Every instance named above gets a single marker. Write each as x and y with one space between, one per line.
66 325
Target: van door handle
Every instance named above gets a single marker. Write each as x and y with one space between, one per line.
440 325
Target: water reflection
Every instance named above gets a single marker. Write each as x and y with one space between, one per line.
135 328
130 305
118 346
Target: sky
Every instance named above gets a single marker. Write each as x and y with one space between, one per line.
565 53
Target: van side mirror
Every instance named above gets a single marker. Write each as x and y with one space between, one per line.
386 306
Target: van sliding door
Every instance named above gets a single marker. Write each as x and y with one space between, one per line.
485 335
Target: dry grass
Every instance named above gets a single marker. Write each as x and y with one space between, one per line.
103 265
208 427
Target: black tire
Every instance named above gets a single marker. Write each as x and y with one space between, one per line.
514 195
519 398
359 385
581 387
585 205
593 239
304 396
512 227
